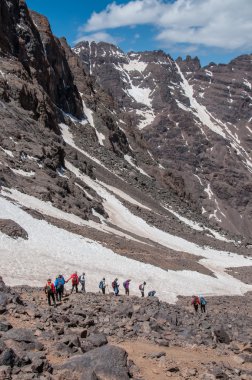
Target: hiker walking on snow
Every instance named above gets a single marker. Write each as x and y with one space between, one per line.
141 288
203 303
59 287
195 302
82 281
126 285
115 286
50 292
75 281
102 285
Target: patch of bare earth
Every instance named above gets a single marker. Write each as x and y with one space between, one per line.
174 362
243 274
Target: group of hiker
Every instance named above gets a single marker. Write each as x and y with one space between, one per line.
55 291
199 301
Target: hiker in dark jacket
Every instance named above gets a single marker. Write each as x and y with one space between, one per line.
141 288
102 285
50 292
203 303
82 281
126 285
115 286
59 287
75 281
195 302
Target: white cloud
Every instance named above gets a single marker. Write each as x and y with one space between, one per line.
223 24
132 13
97 37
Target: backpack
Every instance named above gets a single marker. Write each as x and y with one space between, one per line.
75 279
203 301
141 287
196 301
82 278
113 285
48 289
60 284
101 285
124 284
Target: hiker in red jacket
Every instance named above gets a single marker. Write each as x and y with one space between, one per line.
75 281
50 291
195 302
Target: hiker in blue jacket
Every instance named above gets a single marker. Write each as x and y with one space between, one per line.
59 287
203 303
115 286
102 285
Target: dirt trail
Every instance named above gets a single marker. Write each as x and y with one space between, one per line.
178 362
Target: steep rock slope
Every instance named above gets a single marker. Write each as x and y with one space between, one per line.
36 91
193 122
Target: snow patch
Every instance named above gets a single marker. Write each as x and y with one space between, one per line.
23 173
89 114
129 159
199 226
141 95
247 83
123 195
135 65
196 108
209 191
8 152
148 117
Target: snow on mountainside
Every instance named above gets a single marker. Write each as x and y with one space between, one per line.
121 164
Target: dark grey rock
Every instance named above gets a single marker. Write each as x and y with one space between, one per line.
104 362
97 340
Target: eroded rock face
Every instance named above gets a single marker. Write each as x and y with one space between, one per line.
192 120
37 91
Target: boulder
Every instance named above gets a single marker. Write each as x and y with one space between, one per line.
103 363
20 335
221 335
5 326
97 340
8 358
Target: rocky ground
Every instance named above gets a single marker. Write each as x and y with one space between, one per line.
91 336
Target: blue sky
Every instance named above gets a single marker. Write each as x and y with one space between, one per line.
214 30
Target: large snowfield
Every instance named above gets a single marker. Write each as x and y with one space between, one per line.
50 250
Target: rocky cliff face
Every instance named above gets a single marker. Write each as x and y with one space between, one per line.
37 90
191 124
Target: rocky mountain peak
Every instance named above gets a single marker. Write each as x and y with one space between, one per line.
189 64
